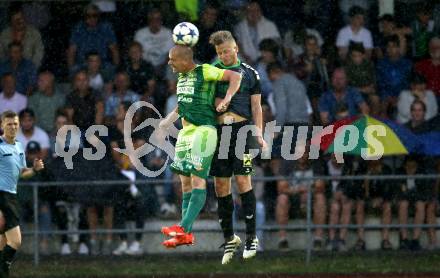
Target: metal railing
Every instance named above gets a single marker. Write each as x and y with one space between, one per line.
308 227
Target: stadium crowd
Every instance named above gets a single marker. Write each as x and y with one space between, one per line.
319 61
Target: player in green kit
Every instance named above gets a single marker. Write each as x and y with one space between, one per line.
197 140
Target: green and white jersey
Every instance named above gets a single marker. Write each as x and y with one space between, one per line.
196 94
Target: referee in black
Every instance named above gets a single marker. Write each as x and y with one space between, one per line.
12 167
244 109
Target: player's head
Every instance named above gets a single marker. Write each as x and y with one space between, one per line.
10 124
225 46
181 58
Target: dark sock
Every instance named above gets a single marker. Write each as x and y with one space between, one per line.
8 255
225 211
249 207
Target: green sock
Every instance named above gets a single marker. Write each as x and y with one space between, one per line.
196 203
185 202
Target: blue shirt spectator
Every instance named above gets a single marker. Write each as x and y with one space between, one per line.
91 35
393 76
120 94
340 97
112 103
352 99
23 70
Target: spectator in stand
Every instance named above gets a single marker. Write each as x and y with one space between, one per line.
100 77
252 30
156 41
84 106
422 30
30 132
393 74
416 192
60 120
269 50
418 124
340 208
418 92
356 32
23 69
26 35
120 94
46 196
46 101
341 94
430 67
388 28
361 76
295 39
311 68
290 97
292 106
348 194
293 191
207 25
10 99
381 194
141 72
92 35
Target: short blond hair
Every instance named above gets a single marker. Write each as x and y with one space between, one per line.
220 37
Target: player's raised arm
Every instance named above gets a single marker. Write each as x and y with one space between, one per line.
234 80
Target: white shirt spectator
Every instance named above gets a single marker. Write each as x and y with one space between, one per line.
155 46
406 98
16 103
345 35
265 29
40 136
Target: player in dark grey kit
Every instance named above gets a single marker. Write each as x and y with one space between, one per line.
12 167
244 109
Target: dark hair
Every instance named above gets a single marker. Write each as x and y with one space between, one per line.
8 74
414 158
425 9
392 39
15 44
274 66
13 10
418 101
387 17
356 46
90 7
356 10
417 78
26 112
269 45
8 114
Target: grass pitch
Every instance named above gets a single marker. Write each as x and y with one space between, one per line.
205 265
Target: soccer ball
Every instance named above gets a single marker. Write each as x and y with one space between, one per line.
185 33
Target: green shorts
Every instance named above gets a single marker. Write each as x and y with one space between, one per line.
194 151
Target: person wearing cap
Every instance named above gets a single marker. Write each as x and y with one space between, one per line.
46 196
354 31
